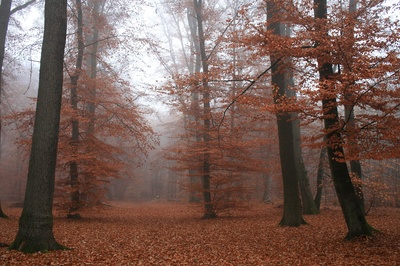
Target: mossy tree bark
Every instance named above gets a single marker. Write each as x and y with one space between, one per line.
353 213
35 232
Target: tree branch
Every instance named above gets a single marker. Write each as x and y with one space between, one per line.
246 89
18 8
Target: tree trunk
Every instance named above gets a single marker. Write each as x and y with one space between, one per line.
355 219
91 106
75 201
307 200
355 165
35 232
320 178
194 68
209 211
5 12
267 190
292 212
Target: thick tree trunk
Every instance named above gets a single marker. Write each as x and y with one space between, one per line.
280 77
355 219
35 232
209 211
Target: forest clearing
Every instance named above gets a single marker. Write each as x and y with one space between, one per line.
170 233
194 111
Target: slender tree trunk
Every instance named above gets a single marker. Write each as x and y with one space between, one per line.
75 201
320 178
355 219
308 202
209 211
292 211
91 104
35 232
91 107
355 165
194 68
267 198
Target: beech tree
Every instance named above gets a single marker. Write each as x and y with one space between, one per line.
209 211
281 82
104 133
235 140
352 210
318 46
35 232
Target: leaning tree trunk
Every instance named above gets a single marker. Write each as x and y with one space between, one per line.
35 232
292 211
355 219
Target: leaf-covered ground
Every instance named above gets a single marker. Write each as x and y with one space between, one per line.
173 234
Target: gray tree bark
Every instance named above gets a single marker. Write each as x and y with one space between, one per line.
292 211
35 231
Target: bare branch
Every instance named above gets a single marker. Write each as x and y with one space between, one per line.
246 89
18 8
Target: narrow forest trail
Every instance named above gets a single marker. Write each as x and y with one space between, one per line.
166 233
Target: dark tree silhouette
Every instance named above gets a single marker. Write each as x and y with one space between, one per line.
35 232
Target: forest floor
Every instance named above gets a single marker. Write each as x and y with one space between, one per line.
166 233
